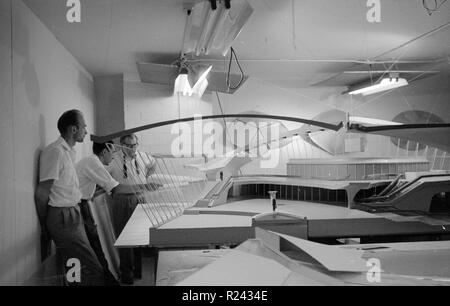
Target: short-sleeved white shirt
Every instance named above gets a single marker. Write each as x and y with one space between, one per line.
92 172
137 169
57 163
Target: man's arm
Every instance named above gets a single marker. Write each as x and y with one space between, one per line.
41 197
98 174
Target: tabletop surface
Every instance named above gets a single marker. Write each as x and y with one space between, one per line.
136 232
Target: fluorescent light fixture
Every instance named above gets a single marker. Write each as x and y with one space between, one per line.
212 26
371 121
202 83
385 84
183 86
199 88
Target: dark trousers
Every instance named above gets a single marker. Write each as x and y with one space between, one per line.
123 208
66 228
94 240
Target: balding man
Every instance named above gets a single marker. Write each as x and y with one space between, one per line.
58 197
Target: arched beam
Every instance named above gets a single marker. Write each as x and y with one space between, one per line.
431 134
109 137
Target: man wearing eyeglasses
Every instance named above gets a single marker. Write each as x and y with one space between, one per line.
130 167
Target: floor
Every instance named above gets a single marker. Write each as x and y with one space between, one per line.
148 278
148 268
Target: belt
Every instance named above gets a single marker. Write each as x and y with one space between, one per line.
62 207
84 203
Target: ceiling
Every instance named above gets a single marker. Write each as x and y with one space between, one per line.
289 43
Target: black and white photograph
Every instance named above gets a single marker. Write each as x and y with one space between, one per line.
224 147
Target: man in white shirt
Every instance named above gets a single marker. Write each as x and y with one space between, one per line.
92 174
129 168
58 195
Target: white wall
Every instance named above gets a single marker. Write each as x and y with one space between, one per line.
148 103
109 106
46 81
7 195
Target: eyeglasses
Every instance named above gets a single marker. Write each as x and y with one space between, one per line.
131 145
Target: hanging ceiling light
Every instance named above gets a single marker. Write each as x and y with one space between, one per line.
188 76
212 26
202 83
182 85
371 121
393 81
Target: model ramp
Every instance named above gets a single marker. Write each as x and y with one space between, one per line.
415 195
